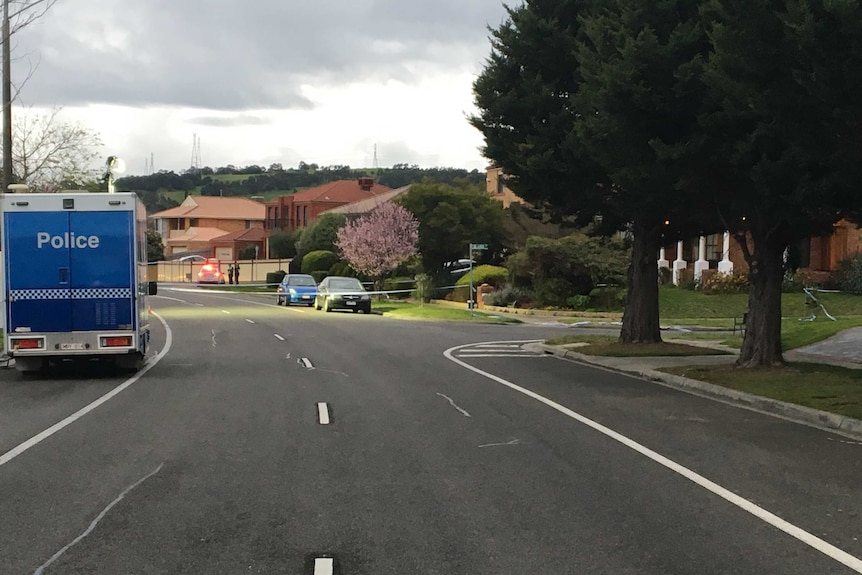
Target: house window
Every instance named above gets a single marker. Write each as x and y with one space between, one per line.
193 222
247 224
501 184
297 217
714 247
803 253
305 215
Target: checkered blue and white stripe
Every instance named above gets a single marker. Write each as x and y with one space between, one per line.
101 293
37 294
82 293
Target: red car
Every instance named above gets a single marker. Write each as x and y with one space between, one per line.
211 272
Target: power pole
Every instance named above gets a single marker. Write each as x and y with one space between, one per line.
7 101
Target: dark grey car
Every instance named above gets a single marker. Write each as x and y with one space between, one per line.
337 292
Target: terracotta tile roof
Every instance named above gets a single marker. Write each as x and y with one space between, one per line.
196 235
249 235
368 204
215 207
339 192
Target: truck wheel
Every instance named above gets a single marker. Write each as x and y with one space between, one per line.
132 362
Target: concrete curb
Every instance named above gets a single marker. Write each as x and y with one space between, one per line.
847 426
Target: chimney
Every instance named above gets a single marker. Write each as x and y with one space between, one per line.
366 183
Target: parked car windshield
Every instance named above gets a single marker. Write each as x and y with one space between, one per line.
349 284
301 281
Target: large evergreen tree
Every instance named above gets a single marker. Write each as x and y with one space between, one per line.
590 106
784 129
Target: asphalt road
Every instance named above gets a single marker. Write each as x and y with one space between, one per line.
444 453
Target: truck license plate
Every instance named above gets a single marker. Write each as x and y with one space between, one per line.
70 346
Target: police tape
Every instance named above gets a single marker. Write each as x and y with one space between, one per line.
240 288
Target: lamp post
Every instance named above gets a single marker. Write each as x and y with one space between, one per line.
114 165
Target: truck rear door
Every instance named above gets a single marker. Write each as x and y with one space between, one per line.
38 274
102 277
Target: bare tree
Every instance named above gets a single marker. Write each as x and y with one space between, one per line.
24 12
17 14
49 153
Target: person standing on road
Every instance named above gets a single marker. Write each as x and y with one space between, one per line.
230 274
236 272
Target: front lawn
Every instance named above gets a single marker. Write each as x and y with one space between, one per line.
610 346
407 310
825 387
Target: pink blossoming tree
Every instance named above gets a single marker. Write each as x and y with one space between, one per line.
377 242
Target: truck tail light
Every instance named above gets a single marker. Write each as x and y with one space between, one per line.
116 341
28 343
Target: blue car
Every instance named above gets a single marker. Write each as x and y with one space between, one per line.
296 288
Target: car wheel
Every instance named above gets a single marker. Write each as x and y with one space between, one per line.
327 305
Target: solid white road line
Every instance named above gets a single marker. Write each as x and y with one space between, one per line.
95 521
42 436
323 413
170 298
809 539
225 311
249 321
278 337
323 566
234 299
305 362
532 355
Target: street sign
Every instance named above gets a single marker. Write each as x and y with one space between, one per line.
478 247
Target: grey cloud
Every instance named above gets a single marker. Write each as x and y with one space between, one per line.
229 121
223 55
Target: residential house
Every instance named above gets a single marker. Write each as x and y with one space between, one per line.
495 185
228 247
355 210
819 256
287 213
193 225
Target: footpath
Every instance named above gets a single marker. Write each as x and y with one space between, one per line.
843 349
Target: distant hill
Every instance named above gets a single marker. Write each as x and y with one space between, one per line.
166 189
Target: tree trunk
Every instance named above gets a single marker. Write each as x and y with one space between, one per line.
762 343
641 316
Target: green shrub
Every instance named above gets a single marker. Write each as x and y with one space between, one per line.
274 278
318 275
608 298
318 260
247 253
848 276
553 270
509 295
578 302
724 283
485 274
342 268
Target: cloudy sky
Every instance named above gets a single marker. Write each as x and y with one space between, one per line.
263 81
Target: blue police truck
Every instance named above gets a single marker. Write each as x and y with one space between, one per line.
75 278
